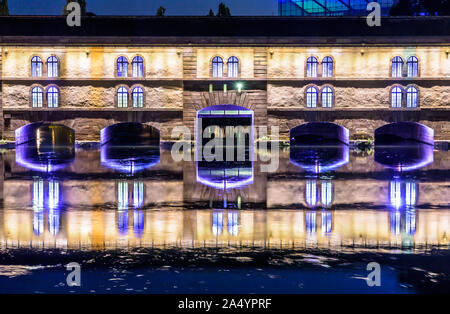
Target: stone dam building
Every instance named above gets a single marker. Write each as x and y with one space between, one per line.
164 71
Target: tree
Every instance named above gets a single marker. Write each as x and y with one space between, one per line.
82 4
161 11
224 11
211 12
4 7
402 8
432 7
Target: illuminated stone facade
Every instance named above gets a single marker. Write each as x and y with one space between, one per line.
177 73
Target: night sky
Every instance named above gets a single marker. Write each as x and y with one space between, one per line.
146 7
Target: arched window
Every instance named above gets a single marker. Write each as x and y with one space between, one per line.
36 66
122 67
217 67
138 97
37 97
397 67
52 97
311 67
311 97
122 97
412 97
52 67
138 66
233 67
327 67
327 97
412 66
396 97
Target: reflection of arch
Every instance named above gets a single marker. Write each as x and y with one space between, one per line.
404 132
319 132
45 147
404 158
129 133
318 159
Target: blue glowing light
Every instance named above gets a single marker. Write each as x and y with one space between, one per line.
217 223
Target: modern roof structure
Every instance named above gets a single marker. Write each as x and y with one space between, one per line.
329 7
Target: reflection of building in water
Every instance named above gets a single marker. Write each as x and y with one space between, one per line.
403 197
98 229
40 203
312 191
232 222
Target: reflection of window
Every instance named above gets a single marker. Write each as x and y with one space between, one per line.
326 193
138 97
52 67
311 222
122 97
122 195
217 67
327 97
412 97
327 67
53 221
410 221
138 222
217 223
37 97
122 67
52 97
311 97
396 97
138 66
233 67
397 67
412 67
311 67
326 222
311 193
38 222
36 66
38 194
122 222
411 193
138 194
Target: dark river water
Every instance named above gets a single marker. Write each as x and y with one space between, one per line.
149 224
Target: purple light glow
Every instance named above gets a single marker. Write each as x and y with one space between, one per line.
221 180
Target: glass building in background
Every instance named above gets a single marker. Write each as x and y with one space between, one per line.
329 7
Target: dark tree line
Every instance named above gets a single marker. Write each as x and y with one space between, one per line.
420 7
223 11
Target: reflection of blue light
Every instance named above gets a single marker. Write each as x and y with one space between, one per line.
38 194
404 158
326 222
326 193
138 222
122 223
53 221
395 222
217 223
410 221
38 222
311 193
122 195
311 226
138 194
233 223
411 193
225 178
